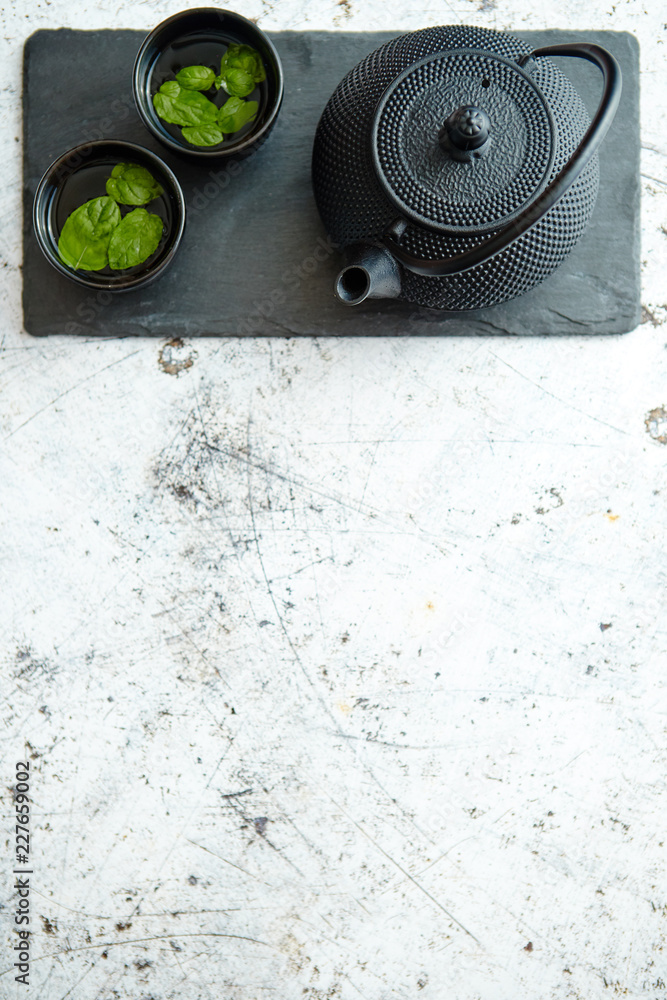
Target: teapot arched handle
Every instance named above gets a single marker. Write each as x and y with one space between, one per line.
554 191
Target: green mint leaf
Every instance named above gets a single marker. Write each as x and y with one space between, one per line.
203 135
80 254
252 64
85 237
237 82
234 114
97 217
131 184
246 58
183 107
171 88
229 108
135 238
195 77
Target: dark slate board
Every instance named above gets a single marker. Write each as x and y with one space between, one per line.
255 259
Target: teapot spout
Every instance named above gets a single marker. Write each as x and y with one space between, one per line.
370 272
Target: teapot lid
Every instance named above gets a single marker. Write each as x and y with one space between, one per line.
462 141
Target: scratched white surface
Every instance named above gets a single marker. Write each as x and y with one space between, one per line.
340 663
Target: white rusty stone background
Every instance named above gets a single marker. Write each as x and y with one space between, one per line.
340 664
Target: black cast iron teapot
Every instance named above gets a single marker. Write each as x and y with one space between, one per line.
457 168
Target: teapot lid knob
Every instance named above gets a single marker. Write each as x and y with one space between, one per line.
467 128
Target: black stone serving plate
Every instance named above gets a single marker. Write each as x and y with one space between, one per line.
255 259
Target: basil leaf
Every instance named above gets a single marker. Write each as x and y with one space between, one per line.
171 88
235 113
81 254
237 82
183 107
84 238
131 184
246 58
134 239
252 63
203 135
228 109
195 77
98 217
